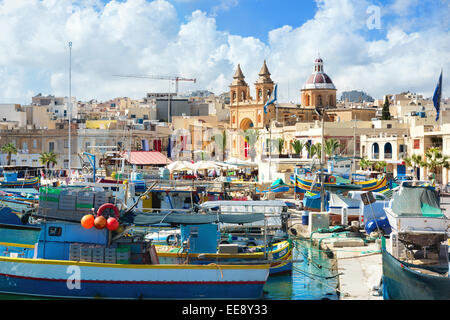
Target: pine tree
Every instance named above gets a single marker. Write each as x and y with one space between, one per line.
385 114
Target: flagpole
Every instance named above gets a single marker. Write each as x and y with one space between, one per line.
441 97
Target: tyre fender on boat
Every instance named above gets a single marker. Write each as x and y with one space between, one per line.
173 239
105 206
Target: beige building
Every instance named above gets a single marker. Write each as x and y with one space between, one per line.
318 90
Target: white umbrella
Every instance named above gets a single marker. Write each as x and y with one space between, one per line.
205 165
180 166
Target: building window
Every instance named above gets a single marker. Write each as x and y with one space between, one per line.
66 143
389 125
66 164
375 151
51 146
388 151
416 143
34 143
319 100
24 145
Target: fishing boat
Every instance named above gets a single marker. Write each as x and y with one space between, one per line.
416 210
24 183
336 183
62 258
406 281
200 244
48 265
415 264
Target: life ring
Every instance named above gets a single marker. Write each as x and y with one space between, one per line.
173 239
105 206
332 179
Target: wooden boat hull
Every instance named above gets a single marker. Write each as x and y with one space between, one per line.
280 256
28 183
400 282
70 279
304 185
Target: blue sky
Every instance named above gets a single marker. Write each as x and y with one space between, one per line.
404 50
253 18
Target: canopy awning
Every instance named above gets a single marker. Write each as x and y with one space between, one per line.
145 157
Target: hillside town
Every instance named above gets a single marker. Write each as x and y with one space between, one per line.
384 134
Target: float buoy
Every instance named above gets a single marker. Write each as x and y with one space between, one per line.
88 221
112 224
105 206
99 222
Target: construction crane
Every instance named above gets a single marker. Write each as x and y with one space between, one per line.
156 77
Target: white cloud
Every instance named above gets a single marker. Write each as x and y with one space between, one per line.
142 37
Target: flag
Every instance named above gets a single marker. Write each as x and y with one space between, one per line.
437 97
272 99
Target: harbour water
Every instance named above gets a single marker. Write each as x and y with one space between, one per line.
313 277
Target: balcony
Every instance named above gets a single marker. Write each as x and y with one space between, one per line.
388 155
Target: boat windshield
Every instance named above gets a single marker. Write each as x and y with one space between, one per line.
417 201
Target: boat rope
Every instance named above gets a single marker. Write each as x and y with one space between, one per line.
218 266
315 279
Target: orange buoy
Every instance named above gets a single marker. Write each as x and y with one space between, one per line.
99 222
112 224
87 221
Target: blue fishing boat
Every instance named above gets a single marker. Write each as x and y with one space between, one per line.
25 183
205 248
64 260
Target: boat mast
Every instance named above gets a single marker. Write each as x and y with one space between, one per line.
322 165
354 150
70 106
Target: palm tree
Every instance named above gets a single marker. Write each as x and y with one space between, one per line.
251 136
434 160
380 165
221 142
331 145
9 149
280 146
311 150
48 157
318 149
415 161
298 146
365 164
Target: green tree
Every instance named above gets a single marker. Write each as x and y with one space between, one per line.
318 150
380 165
251 136
221 141
385 114
331 145
280 146
46 158
415 161
9 149
312 150
298 146
365 164
434 160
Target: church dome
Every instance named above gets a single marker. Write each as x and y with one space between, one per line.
319 79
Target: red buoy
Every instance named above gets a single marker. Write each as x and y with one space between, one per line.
112 224
99 222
